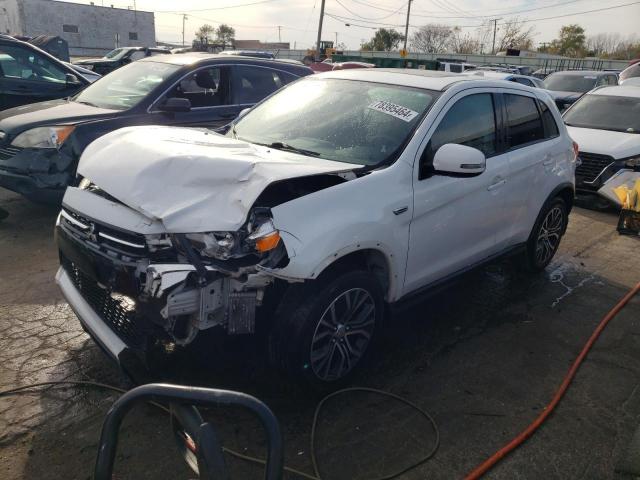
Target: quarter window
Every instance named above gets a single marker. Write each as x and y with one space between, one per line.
524 124
550 125
471 122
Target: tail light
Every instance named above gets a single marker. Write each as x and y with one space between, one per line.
576 150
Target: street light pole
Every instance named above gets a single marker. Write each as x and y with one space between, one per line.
184 17
319 31
406 27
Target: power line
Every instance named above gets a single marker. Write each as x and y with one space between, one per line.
370 18
434 15
240 5
613 7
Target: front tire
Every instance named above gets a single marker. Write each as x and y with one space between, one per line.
325 329
545 237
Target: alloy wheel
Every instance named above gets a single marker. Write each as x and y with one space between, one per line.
343 334
549 235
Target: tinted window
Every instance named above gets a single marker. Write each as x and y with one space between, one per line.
21 63
253 84
613 80
203 88
606 112
550 125
523 81
471 122
523 120
455 68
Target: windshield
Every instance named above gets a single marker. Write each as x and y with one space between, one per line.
126 86
115 54
603 112
345 120
560 82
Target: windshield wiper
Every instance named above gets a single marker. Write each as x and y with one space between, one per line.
86 103
290 148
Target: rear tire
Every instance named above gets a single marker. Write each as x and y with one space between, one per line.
545 237
324 330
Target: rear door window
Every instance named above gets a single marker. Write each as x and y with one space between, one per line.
252 84
524 125
524 81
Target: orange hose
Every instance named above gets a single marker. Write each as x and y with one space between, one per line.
525 434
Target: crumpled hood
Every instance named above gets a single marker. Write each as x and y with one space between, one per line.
605 142
192 180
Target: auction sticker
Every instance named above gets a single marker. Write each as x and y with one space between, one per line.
398 111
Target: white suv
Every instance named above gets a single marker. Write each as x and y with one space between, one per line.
337 195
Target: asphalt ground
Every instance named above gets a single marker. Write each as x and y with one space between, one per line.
483 357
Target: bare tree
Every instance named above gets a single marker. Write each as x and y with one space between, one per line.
513 33
431 38
463 43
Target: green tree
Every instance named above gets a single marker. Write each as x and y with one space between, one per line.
572 41
204 33
225 34
384 40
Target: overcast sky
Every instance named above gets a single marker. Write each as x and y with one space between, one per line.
298 19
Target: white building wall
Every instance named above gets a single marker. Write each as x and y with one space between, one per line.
98 28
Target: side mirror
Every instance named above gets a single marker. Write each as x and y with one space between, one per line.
71 79
454 158
243 112
175 105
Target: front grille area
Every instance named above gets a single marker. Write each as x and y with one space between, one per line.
104 237
117 311
8 151
592 165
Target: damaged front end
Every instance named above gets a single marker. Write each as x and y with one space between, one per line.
165 288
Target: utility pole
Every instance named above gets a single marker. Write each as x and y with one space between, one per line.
184 17
336 44
406 27
279 28
319 31
495 27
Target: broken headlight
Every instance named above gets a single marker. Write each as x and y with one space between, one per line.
43 137
262 238
633 162
220 245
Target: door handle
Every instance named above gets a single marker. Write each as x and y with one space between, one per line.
547 161
401 210
498 182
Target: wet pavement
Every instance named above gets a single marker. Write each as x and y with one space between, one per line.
483 358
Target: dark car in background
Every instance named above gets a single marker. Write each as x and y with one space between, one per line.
568 86
28 75
120 57
40 144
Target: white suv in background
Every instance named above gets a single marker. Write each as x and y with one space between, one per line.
606 124
341 193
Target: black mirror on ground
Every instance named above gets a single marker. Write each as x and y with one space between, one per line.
176 105
71 79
